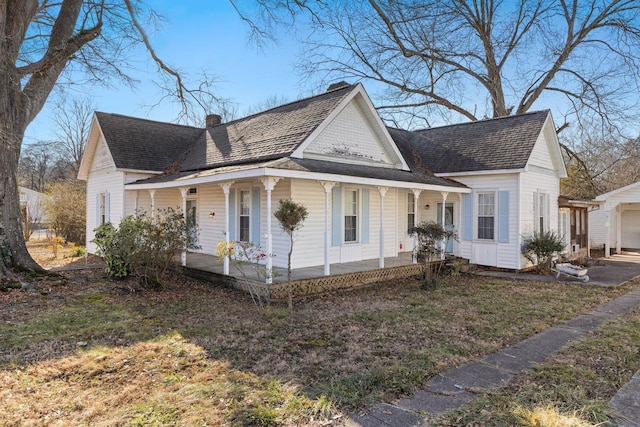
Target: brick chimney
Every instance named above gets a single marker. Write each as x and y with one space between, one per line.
338 85
213 120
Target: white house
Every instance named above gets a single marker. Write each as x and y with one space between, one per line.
365 185
617 223
31 206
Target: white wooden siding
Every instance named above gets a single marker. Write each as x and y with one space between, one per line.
102 158
280 239
598 227
130 196
349 136
540 155
308 246
503 255
210 230
102 181
531 183
629 202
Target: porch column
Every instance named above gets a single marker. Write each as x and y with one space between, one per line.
152 193
226 188
607 241
135 202
586 227
382 191
269 183
619 229
327 186
444 210
183 192
416 196
457 244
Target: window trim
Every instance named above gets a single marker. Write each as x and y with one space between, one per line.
102 206
494 215
542 212
239 214
358 215
411 216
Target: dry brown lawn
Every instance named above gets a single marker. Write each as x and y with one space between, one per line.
94 351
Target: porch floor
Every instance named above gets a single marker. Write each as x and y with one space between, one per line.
211 263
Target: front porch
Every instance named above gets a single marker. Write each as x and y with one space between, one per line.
305 281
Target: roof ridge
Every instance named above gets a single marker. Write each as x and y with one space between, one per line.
481 121
143 119
350 87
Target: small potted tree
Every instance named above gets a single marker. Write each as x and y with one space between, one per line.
432 241
291 216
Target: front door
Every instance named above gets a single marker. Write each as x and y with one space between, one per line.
448 222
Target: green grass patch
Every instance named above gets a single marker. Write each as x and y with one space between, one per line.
196 354
571 389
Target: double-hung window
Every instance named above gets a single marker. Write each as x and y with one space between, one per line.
486 216
245 215
411 212
351 216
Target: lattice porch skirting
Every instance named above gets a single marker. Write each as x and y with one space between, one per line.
318 285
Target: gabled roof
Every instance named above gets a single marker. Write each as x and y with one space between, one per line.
605 196
488 145
270 134
141 144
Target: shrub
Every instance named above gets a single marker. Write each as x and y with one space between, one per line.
540 248
144 245
112 246
77 251
64 208
431 236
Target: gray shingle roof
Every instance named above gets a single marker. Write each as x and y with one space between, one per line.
142 144
495 144
269 134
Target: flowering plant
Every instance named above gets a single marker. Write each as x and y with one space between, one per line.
225 249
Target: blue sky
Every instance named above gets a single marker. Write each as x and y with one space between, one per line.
198 35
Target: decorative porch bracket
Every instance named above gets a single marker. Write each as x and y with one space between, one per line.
416 196
383 192
327 186
183 192
226 189
269 183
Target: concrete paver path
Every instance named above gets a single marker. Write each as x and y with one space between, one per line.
456 387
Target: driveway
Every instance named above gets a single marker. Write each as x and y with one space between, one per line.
613 271
616 270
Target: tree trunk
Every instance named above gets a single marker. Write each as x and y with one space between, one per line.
13 122
289 288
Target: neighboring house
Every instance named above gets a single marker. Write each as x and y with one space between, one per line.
31 207
573 225
365 185
616 225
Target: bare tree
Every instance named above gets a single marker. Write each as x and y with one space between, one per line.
266 104
37 163
46 44
73 121
483 58
440 61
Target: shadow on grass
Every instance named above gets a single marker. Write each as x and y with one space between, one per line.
195 349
